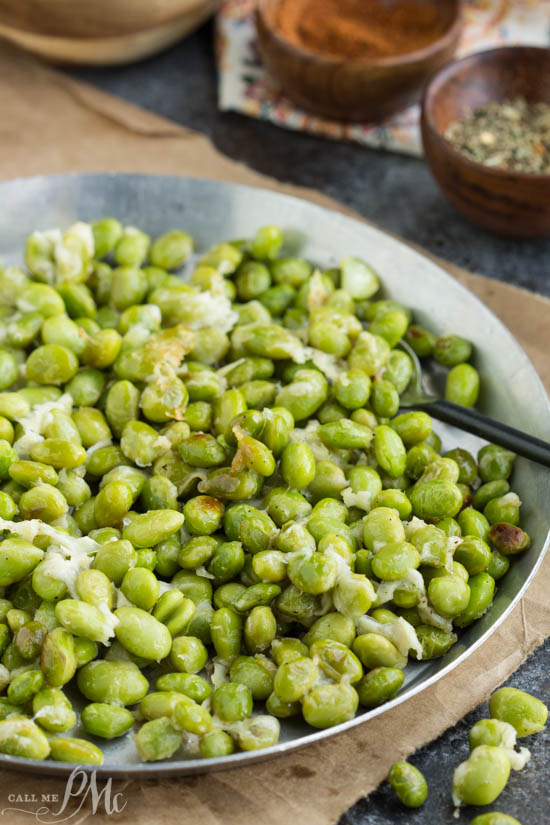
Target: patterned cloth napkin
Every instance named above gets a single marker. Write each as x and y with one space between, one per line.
244 85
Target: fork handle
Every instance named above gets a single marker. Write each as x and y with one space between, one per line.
495 431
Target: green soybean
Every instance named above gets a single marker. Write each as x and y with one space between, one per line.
524 712
408 784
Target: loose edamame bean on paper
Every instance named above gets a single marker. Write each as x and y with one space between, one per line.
210 474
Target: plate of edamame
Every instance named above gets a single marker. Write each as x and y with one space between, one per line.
221 539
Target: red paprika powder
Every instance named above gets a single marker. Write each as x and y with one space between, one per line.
361 28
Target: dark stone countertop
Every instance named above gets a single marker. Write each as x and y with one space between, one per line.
398 194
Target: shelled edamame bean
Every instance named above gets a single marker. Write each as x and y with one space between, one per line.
207 484
409 784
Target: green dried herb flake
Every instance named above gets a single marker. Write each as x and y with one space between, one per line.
512 135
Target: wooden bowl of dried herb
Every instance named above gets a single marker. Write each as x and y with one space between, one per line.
486 134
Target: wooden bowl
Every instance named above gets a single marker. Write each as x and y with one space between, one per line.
360 89
509 203
100 32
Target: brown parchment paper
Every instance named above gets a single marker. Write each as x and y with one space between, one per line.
51 124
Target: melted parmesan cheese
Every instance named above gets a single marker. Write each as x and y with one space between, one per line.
208 309
511 498
86 235
164 587
400 632
36 422
412 526
98 446
202 571
327 363
363 499
57 566
121 600
218 673
248 727
68 260
458 777
310 436
65 558
518 759
413 581
110 621
34 527
191 745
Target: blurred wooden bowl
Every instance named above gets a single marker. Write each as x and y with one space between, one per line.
509 203
100 32
360 89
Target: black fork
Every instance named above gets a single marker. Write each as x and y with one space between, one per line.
416 397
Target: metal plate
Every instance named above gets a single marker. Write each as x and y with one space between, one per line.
213 211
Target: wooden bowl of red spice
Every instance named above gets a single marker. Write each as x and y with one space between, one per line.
486 135
359 60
